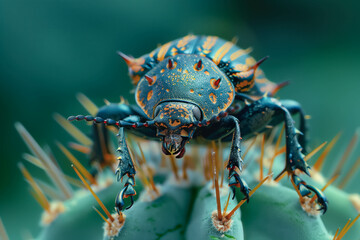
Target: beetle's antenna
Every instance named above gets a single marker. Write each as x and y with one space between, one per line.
72 130
111 122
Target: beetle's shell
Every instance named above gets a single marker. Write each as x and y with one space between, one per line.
227 56
184 82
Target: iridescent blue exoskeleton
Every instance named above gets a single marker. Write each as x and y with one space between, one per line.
201 87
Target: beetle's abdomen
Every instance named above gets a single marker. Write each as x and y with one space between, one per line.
233 61
203 84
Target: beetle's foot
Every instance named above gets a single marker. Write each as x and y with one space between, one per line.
306 190
236 182
127 191
320 198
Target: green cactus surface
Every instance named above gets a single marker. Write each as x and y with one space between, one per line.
190 203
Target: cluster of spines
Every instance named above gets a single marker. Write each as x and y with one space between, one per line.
342 162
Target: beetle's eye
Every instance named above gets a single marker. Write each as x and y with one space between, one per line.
197 113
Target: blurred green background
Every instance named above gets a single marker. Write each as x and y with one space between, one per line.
52 49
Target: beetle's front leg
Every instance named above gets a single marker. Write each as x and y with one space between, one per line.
125 167
100 150
235 162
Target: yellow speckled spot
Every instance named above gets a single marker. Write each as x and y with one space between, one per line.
213 98
174 123
149 95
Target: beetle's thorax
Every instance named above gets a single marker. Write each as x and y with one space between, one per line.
184 79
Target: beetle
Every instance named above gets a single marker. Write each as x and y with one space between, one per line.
201 87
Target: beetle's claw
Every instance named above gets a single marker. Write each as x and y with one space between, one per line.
306 190
132 202
119 201
233 189
323 208
127 191
236 182
321 198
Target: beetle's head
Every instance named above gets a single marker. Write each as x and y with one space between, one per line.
175 122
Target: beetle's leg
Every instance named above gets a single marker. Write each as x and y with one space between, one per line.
269 111
123 116
295 108
100 151
125 167
254 118
235 162
304 190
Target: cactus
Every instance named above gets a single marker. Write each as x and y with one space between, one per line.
189 203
